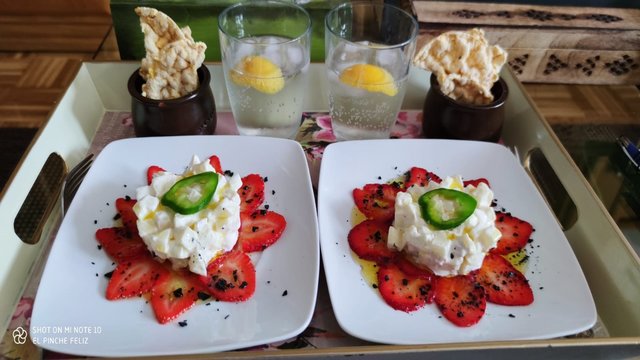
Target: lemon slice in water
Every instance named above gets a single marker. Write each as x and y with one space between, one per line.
259 73
369 77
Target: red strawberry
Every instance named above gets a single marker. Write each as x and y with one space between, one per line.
128 216
410 268
135 277
515 233
376 201
120 244
503 283
215 162
369 241
251 193
401 291
260 230
460 299
175 295
476 182
420 177
231 277
151 171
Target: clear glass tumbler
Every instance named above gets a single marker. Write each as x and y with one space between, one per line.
368 52
265 58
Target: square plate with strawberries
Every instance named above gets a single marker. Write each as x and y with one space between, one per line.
529 286
102 294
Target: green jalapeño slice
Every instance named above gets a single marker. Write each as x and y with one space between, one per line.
445 209
191 194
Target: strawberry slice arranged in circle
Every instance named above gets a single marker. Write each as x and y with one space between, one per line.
128 216
251 193
176 294
476 182
120 244
215 162
231 277
460 299
411 269
376 201
151 171
401 291
515 233
503 283
135 277
259 230
368 240
420 177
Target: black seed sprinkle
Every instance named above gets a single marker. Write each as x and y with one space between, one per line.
203 296
285 293
511 316
182 323
95 221
177 293
226 317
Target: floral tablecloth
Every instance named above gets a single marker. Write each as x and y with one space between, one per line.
314 135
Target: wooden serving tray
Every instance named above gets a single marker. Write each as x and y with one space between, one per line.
611 266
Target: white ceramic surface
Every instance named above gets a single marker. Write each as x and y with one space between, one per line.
563 304
72 315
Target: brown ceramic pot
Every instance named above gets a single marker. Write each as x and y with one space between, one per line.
446 118
192 114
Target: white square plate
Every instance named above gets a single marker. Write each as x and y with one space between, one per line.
563 303
71 314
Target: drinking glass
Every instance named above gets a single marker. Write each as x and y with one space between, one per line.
265 58
368 52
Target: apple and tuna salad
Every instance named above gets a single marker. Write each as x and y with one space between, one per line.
441 240
186 237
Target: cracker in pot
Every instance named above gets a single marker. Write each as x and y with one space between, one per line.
464 63
172 56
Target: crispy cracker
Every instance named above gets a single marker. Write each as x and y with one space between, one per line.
464 63
172 56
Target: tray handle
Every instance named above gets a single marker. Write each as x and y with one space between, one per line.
37 208
550 186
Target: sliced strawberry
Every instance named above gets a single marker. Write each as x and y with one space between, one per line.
151 171
420 177
515 233
376 201
476 182
260 230
503 283
460 299
231 277
175 295
369 241
135 277
410 268
251 193
128 216
120 244
401 291
215 162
